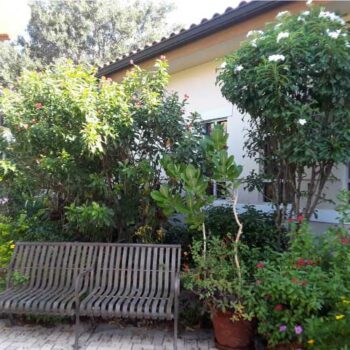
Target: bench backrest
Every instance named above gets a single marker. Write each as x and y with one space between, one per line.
137 267
47 265
149 267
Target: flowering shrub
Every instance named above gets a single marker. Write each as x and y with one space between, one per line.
83 154
281 79
305 288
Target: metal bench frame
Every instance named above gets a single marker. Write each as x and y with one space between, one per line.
89 279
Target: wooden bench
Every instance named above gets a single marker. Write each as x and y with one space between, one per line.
94 279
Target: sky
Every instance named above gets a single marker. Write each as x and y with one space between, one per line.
14 14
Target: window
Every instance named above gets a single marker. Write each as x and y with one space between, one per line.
215 188
208 125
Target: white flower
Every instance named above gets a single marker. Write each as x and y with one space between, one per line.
282 14
282 35
302 16
3 200
331 16
335 34
238 68
302 121
254 32
278 25
276 58
253 43
223 65
347 45
308 2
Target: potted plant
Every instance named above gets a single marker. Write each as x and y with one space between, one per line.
215 280
218 276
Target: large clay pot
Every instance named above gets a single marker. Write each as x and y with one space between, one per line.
232 335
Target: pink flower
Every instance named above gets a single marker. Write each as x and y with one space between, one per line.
260 265
298 329
38 106
131 62
162 57
258 282
186 97
283 328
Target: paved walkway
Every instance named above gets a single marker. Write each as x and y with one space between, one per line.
105 337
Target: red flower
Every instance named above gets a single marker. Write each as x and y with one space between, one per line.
162 57
291 220
260 265
345 240
278 307
300 218
38 106
304 262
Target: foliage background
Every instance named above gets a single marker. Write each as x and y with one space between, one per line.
85 31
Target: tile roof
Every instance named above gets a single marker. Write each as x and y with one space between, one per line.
194 32
4 37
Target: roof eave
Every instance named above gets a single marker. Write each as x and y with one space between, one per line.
202 30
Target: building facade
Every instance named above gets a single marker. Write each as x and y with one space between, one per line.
195 55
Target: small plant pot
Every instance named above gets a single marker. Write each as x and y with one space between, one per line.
232 335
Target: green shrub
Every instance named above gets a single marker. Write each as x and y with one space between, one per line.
305 288
81 155
259 230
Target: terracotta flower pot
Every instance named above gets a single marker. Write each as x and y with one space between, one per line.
235 335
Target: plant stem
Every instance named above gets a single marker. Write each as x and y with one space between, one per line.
204 240
238 236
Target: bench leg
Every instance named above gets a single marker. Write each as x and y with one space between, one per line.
12 320
77 328
176 321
